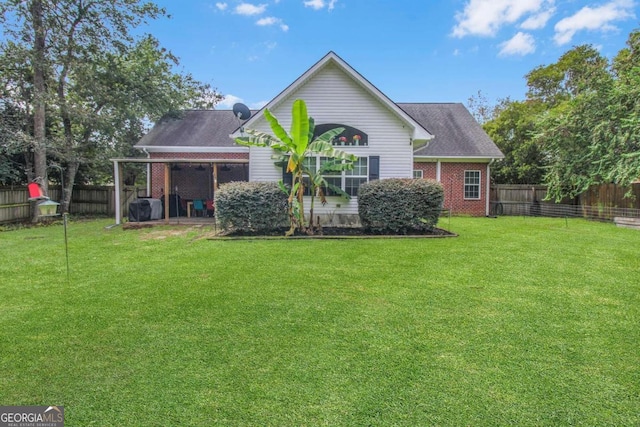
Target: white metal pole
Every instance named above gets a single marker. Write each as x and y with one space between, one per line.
116 177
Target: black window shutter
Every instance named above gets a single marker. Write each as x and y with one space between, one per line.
374 167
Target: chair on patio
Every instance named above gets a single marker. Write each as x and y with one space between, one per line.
198 207
210 208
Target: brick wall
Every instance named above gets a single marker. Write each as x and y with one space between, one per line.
428 169
452 179
193 183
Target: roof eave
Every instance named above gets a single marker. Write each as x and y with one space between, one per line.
460 157
190 149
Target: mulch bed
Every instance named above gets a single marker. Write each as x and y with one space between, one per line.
337 233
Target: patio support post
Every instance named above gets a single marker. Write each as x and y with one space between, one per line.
210 188
215 177
149 180
167 192
487 190
117 178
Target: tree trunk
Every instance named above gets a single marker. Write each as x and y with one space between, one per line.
301 226
71 151
39 96
69 180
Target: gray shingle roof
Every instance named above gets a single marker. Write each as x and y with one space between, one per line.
193 128
457 134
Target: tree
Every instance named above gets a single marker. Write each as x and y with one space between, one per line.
594 137
622 158
90 83
566 132
56 36
13 139
39 64
578 127
480 109
533 134
575 72
298 145
16 92
110 98
513 131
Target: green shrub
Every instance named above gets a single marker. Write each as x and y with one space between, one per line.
251 206
400 206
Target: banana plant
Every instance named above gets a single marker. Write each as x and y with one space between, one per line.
297 145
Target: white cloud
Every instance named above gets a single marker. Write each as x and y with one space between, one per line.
593 19
486 17
270 20
520 44
538 21
249 9
316 4
222 6
320 4
258 105
227 102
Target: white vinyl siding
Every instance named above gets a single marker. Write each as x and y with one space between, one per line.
332 96
261 165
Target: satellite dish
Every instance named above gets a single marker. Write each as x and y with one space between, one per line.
241 111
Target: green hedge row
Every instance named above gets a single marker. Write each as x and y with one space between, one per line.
400 206
251 207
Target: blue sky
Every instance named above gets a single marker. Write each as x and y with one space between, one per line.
412 50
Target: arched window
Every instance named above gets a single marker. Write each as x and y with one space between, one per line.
349 137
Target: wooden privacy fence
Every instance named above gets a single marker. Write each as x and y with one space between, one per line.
599 202
602 202
85 200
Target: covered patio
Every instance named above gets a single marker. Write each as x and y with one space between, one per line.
199 178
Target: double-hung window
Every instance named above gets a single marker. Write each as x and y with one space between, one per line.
333 178
349 181
364 169
357 176
472 185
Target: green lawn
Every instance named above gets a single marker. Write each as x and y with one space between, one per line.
519 321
